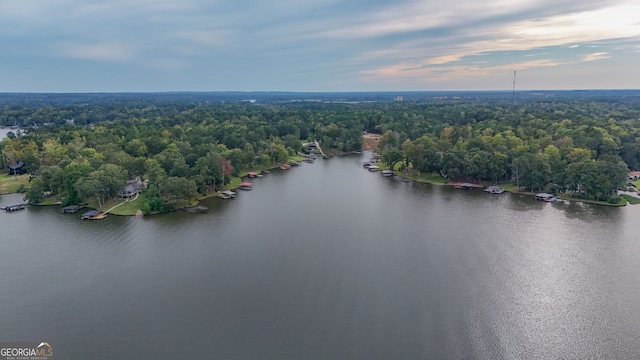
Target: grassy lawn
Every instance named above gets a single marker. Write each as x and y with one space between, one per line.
11 184
631 199
510 188
297 158
430 178
51 200
234 183
128 208
636 183
622 202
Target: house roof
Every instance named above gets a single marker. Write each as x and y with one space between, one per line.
16 165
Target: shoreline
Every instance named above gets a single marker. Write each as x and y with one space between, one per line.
234 184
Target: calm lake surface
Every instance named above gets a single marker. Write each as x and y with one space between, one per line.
328 261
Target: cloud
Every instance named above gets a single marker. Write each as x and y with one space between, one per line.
595 56
326 41
112 51
445 73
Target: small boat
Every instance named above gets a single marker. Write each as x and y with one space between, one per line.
266 172
259 175
294 164
366 164
312 156
309 161
246 186
373 168
252 174
388 173
285 166
227 194
494 189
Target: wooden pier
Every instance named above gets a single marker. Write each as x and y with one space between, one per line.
94 215
14 207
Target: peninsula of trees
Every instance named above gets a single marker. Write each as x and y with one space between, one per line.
77 152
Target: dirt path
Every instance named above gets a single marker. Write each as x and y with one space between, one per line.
370 141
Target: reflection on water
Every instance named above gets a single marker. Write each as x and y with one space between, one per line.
328 261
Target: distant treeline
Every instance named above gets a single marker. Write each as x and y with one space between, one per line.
578 144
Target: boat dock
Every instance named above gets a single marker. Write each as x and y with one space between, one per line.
14 207
94 215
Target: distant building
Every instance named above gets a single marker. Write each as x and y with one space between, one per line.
399 98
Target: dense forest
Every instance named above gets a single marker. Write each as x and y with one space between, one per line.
185 149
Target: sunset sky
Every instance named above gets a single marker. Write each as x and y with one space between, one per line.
317 45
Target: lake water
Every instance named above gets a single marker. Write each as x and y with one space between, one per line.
328 261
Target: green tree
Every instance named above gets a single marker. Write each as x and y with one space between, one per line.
35 194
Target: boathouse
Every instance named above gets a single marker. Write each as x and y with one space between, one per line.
93 215
388 173
246 186
71 209
15 207
543 196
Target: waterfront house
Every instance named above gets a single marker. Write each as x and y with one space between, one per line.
131 190
634 175
16 168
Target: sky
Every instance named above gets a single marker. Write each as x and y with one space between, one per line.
318 45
